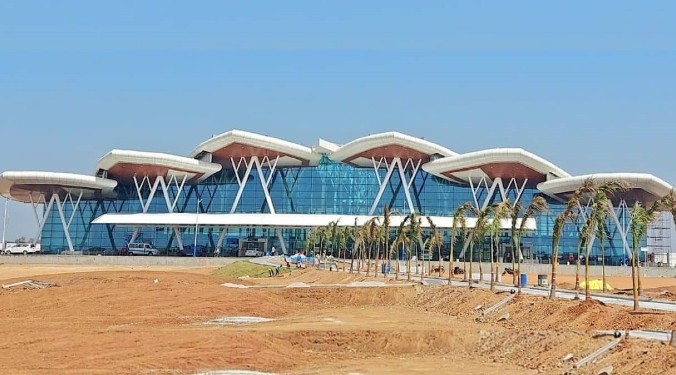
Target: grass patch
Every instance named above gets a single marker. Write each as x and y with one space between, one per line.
244 268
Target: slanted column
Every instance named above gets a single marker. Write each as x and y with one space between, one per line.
395 163
248 165
41 218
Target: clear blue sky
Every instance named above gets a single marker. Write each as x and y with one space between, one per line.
590 86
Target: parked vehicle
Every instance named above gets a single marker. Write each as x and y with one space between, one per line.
141 249
23 249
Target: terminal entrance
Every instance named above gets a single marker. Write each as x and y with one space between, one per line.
252 247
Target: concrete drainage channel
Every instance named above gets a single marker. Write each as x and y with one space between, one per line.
234 372
298 284
236 321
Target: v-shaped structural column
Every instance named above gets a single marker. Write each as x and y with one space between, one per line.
248 165
171 202
622 219
406 183
484 191
41 218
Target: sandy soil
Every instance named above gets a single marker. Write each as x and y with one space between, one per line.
123 322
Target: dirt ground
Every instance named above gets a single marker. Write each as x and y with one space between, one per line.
151 321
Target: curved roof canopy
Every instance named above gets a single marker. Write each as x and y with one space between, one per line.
388 145
493 163
29 186
123 165
642 186
237 144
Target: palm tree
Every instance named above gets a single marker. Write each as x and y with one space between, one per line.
537 205
414 235
371 227
435 241
500 211
400 239
478 236
357 239
600 204
386 229
640 219
458 219
332 233
342 244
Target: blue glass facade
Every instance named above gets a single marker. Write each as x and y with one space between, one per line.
328 188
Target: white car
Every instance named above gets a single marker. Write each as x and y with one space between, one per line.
141 249
23 249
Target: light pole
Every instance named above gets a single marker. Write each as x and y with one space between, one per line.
4 224
197 213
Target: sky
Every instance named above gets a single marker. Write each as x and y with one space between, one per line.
589 86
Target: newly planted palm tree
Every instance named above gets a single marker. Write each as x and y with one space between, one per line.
435 241
399 240
371 228
537 205
500 212
414 237
458 222
640 219
386 231
568 214
595 223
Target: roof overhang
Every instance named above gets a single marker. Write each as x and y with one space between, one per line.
123 165
274 220
643 187
493 163
27 186
238 144
388 145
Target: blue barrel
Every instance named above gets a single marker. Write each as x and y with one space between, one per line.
524 279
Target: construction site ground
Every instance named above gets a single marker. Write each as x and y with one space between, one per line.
151 320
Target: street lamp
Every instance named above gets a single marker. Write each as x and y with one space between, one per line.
197 213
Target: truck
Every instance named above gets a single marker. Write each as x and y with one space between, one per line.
22 248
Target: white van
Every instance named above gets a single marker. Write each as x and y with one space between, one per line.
141 249
23 249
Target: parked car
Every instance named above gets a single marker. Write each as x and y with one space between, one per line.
23 249
202 251
141 249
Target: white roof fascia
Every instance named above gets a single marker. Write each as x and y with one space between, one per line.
68 181
262 141
271 220
324 147
651 184
177 165
362 144
476 159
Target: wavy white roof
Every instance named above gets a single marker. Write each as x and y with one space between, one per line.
655 187
21 185
295 154
168 164
477 164
375 141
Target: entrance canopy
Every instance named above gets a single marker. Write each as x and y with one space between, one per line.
273 220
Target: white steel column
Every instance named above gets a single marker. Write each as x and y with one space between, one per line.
41 218
624 227
66 225
281 240
405 182
221 237
498 183
265 181
383 183
171 203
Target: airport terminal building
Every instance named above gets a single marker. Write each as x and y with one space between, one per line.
240 190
